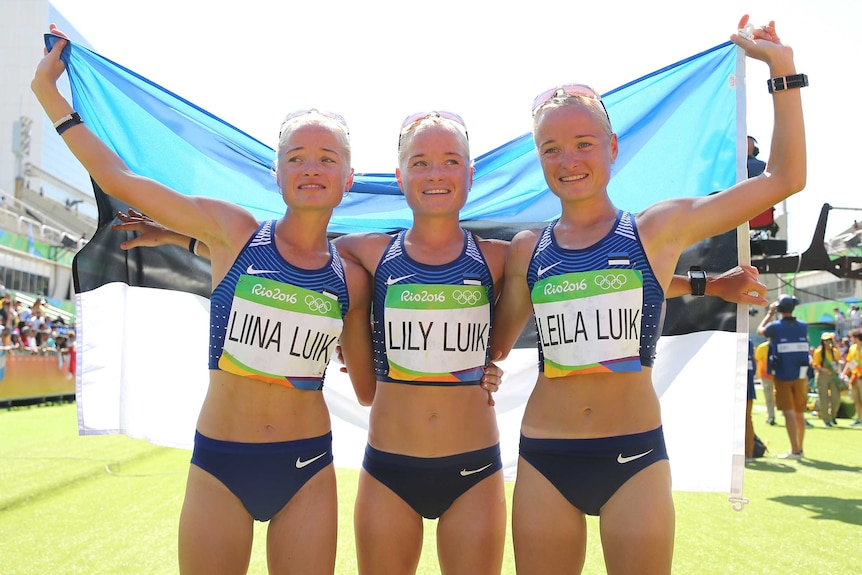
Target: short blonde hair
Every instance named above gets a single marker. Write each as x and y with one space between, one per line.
428 122
314 117
593 105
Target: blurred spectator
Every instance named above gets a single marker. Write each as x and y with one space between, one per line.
5 337
853 371
14 341
755 166
826 366
6 313
761 357
840 322
751 395
73 355
37 320
23 313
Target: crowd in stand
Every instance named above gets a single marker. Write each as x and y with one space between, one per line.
29 330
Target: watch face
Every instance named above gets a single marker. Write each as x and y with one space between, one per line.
697 279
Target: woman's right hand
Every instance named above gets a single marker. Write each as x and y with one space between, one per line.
151 233
51 67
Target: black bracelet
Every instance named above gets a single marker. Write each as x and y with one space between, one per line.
193 246
781 83
67 122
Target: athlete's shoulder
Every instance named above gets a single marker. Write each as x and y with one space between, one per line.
525 240
492 248
365 248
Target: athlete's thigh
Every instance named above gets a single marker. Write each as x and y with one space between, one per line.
388 531
301 538
216 531
549 533
471 534
637 524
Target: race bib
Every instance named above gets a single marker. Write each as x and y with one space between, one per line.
437 332
589 322
280 333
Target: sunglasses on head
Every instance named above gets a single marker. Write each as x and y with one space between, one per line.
331 115
413 119
574 90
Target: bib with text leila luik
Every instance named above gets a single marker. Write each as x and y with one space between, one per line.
436 332
589 322
280 333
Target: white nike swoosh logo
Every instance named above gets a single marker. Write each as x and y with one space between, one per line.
391 281
300 464
542 270
252 271
465 473
621 459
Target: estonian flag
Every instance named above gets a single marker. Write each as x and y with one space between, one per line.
143 315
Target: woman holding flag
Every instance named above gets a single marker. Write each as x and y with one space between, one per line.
263 447
596 279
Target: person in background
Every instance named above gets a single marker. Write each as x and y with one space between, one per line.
263 443
851 373
755 166
750 396
761 359
826 363
72 350
840 322
789 358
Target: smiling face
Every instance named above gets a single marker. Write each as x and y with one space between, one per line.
434 168
575 149
313 164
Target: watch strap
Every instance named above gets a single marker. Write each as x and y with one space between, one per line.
781 83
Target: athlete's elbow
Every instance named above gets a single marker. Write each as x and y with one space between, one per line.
365 393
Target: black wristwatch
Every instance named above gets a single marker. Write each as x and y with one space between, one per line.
697 279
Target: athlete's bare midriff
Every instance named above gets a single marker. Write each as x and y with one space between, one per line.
431 421
241 409
592 405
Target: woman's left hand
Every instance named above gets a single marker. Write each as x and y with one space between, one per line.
491 380
765 44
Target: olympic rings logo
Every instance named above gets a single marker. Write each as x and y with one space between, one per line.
467 297
317 304
611 281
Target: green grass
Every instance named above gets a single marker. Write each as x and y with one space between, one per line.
110 504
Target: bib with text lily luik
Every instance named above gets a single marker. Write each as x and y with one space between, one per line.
436 332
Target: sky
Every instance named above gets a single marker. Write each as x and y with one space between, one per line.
376 62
